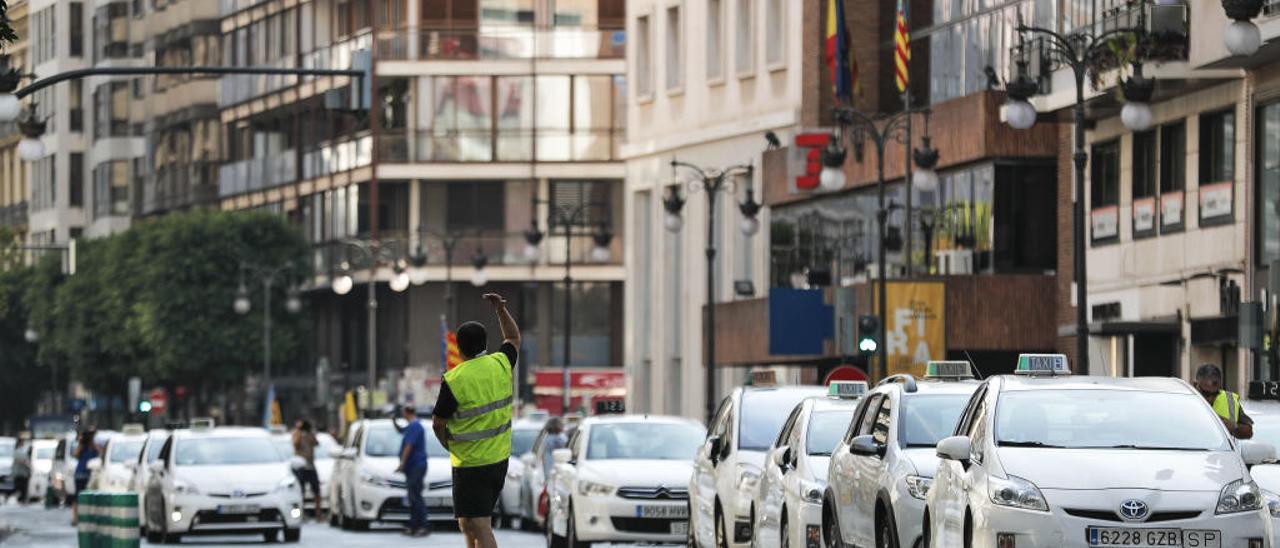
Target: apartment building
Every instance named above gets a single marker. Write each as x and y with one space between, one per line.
490 118
13 171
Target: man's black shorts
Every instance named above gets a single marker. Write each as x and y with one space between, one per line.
476 489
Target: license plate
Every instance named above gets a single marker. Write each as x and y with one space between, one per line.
1153 538
665 512
238 509
679 527
439 502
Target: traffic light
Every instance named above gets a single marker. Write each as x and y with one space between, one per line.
868 334
144 406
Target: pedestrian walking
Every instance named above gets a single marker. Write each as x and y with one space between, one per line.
87 449
555 440
472 418
21 470
1225 403
413 462
304 450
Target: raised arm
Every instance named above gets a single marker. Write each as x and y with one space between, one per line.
510 331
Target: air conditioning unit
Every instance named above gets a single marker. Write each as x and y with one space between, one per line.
954 262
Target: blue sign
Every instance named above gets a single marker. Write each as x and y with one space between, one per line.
799 322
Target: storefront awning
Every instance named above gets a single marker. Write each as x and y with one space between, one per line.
1155 326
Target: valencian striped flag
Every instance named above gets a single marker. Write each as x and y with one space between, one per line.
902 48
449 355
840 61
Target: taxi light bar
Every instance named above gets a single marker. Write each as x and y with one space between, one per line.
847 389
132 428
202 423
948 369
764 377
1042 364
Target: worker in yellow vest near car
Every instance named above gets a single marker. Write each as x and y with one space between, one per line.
472 418
1225 403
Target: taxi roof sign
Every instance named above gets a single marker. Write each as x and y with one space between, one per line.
1042 364
133 428
948 369
202 423
847 389
764 377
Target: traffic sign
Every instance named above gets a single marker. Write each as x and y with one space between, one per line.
845 373
158 399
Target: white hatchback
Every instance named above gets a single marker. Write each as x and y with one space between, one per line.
1045 459
365 486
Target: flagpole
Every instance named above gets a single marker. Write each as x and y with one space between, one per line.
906 108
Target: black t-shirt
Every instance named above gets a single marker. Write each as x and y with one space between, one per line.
447 404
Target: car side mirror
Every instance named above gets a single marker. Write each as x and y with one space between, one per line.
562 456
956 448
867 446
348 453
715 444
782 457
1255 453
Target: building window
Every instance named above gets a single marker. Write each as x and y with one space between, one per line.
1217 146
77 29
111 31
44 194
715 40
1173 175
111 188
644 57
43 28
1144 182
1268 188
476 205
111 110
75 111
744 43
76 179
1104 190
775 37
674 50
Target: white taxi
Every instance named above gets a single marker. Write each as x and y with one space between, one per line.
366 488
41 453
141 467
789 502
1045 459
223 480
1263 408
727 469
621 479
119 459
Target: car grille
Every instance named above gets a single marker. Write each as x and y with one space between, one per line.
394 509
444 484
654 493
397 484
1155 517
209 517
232 496
661 526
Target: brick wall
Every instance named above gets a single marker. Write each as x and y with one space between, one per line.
1066 208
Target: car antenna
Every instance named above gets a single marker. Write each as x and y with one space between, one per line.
975 365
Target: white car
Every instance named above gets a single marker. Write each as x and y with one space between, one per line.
7 446
789 502
523 433
223 480
533 480
41 453
325 454
1045 459
141 467
366 487
119 460
728 465
882 467
622 479
62 472
1266 430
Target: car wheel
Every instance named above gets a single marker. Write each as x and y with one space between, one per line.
292 535
886 532
553 540
968 529
784 536
572 533
691 538
722 539
831 528
927 532
271 536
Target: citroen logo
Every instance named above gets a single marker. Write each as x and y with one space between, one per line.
1134 510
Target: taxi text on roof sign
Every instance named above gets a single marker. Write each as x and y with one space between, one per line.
1042 364
847 389
764 377
950 369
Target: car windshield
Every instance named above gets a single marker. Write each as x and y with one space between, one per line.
1106 419
825 430
384 441
44 452
763 414
645 440
522 441
225 451
124 451
926 419
153 450
6 449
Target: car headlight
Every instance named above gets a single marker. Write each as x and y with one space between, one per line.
593 489
185 488
811 492
918 486
1239 496
1016 492
1272 501
374 479
748 478
287 483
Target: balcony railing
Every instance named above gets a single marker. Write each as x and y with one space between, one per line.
499 247
14 214
257 173
523 145
500 43
179 187
228 7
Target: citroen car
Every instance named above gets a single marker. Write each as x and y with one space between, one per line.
366 488
623 479
881 469
1043 458
789 502
728 465
221 480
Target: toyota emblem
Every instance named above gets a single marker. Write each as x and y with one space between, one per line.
237 494
1134 510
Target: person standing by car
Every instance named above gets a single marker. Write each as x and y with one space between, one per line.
1224 402
555 440
21 470
304 447
413 462
472 418
86 450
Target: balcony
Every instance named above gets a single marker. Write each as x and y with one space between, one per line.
501 43
520 145
257 173
228 7
179 187
14 214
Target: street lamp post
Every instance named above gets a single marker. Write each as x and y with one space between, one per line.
293 305
712 182
858 128
573 220
449 241
1077 51
376 255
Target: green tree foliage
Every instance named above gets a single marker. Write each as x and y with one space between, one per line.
7 35
155 302
22 381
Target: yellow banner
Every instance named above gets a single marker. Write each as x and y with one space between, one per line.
915 331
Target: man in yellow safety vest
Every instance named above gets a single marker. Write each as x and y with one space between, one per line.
1225 403
472 418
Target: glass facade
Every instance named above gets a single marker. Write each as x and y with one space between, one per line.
1267 227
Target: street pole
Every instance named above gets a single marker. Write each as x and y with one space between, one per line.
568 311
266 331
1080 158
372 351
713 186
907 185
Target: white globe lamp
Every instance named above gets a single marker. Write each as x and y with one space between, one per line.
1242 38
343 284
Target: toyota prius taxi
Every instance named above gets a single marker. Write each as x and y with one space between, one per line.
1042 458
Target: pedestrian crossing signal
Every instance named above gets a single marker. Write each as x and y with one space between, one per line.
868 334
144 406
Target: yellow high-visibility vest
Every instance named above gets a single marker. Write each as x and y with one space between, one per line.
1227 405
480 430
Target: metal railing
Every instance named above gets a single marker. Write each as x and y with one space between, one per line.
480 145
257 173
179 186
499 247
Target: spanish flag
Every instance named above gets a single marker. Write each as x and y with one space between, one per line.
450 357
840 61
901 49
